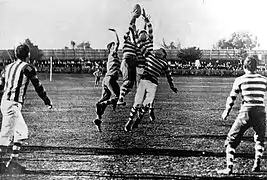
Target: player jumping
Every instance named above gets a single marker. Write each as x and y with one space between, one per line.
128 64
14 81
252 88
146 91
110 86
144 39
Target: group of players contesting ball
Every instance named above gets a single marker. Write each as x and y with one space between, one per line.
142 66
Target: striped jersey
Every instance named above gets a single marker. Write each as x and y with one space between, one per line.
155 67
148 44
15 79
129 48
252 88
113 64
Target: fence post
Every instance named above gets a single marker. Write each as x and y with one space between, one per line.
51 67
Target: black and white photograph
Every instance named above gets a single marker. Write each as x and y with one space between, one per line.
133 89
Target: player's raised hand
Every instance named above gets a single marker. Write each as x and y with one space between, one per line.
143 13
111 29
225 115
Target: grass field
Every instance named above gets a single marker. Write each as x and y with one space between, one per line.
185 142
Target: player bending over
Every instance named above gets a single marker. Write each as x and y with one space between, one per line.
14 81
110 86
146 91
252 87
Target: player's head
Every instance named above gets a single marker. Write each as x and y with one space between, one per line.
161 53
250 64
110 46
142 35
22 52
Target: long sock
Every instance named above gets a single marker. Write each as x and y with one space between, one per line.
133 113
16 150
123 92
142 112
3 150
259 148
230 153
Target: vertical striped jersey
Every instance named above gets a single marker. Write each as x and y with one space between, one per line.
155 67
252 88
15 79
148 44
113 64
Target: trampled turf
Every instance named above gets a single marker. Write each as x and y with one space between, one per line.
185 141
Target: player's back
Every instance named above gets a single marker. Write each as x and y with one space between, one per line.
15 81
154 67
253 87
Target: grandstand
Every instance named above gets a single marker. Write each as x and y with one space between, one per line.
82 58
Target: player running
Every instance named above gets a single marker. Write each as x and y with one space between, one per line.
146 91
14 82
252 88
110 86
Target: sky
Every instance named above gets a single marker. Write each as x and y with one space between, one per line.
54 23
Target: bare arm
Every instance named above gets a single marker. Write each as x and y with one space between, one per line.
117 43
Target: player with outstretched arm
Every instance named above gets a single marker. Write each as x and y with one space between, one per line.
110 86
14 82
252 87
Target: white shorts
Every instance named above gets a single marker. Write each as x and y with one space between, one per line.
145 93
13 127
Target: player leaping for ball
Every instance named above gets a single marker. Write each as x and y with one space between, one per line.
110 86
14 81
128 64
146 91
144 39
252 87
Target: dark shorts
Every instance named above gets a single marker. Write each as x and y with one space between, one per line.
110 88
128 69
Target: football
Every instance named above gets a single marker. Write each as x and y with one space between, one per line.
137 10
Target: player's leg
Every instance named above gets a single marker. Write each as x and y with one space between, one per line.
114 89
149 101
139 74
13 127
259 126
128 69
6 135
100 105
124 87
98 80
138 103
20 134
233 139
